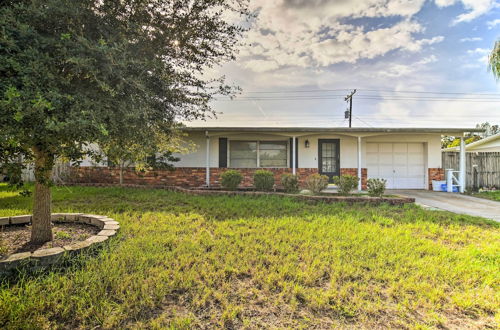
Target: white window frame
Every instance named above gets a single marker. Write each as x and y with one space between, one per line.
258 152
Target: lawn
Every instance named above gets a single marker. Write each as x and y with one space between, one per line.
493 195
184 261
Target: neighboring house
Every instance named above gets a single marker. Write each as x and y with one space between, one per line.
408 158
489 144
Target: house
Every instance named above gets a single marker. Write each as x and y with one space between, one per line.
488 144
408 158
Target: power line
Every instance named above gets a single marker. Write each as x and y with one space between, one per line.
370 90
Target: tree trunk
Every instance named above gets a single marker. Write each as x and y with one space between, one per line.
41 229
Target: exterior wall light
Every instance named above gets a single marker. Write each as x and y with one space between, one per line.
307 144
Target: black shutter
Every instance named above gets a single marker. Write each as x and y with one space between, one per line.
222 152
296 152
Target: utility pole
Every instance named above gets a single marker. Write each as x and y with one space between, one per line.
349 98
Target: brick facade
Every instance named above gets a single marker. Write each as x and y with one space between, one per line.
190 177
435 174
354 172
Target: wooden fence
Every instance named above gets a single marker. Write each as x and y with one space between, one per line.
483 168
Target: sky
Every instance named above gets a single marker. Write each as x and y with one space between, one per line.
413 63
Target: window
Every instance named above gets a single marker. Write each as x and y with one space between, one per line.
243 154
273 154
251 154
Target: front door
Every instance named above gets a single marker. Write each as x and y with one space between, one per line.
329 157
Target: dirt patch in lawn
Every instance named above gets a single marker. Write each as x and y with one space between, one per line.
15 239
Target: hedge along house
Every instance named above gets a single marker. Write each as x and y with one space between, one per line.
408 158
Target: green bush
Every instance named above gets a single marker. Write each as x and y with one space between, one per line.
316 183
346 183
230 179
290 182
376 187
263 180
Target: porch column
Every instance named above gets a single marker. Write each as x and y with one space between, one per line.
207 170
461 174
360 180
294 156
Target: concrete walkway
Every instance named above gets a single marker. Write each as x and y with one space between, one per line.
454 202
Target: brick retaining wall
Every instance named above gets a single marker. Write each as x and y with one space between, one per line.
190 177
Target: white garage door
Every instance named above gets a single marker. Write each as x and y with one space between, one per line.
401 164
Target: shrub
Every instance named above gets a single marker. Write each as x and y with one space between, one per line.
263 180
230 179
376 187
290 182
316 183
346 183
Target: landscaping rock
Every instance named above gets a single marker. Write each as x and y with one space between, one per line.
47 257
58 217
70 217
107 233
4 221
96 239
111 227
20 219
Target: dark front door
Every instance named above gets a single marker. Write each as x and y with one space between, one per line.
329 157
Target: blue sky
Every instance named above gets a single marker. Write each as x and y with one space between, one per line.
301 56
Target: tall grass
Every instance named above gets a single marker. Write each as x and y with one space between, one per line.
215 261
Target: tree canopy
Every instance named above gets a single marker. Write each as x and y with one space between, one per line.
94 71
494 60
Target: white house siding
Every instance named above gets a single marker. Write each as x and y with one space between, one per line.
308 157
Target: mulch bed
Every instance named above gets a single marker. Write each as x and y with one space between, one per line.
15 239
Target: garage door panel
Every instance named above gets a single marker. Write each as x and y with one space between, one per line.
385 148
401 164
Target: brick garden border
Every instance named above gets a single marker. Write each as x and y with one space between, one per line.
397 200
44 257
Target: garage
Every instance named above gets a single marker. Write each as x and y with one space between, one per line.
401 164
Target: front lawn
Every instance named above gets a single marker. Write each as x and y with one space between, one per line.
493 195
186 261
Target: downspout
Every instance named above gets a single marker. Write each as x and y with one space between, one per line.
461 174
294 156
207 170
360 185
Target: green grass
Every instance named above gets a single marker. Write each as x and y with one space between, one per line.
184 261
493 195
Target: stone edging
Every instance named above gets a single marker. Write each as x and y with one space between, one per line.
398 200
48 256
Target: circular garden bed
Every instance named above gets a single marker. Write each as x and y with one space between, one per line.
73 233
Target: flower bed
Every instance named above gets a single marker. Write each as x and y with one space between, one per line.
330 198
43 257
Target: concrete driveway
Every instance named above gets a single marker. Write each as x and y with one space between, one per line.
454 202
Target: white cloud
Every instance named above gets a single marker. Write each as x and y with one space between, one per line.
399 70
472 39
304 33
475 8
492 24
478 51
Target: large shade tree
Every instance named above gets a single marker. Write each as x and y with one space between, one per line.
93 71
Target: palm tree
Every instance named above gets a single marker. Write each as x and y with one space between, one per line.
494 60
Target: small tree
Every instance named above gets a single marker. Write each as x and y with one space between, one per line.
74 73
494 60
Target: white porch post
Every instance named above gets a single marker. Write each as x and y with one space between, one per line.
207 171
462 165
360 187
294 156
